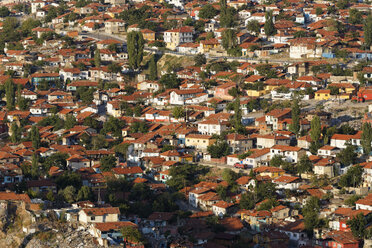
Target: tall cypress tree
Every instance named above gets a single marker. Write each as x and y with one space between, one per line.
10 94
295 125
97 58
135 45
366 138
35 137
153 68
368 31
269 24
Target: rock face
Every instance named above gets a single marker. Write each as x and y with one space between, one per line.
62 239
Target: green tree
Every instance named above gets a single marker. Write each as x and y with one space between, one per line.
352 178
169 81
35 167
229 39
185 175
358 226
69 194
269 24
207 12
311 214
35 137
315 134
135 46
85 193
348 155
153 68
318 11
295 125
178 112
132 234
200 59
352 199
366 138
229 176
276 161
97 58
254 26
247 201
355 16
107 163
367 28
304 165
4 11
16 133
219 149
70 121
237 117
10 94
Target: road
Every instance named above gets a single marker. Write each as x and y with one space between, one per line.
104 36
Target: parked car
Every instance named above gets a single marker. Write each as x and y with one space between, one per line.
240 166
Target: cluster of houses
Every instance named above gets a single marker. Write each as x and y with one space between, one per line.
86 113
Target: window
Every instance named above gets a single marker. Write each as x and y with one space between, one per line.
93 218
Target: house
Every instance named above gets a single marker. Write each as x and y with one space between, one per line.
324 166
222 91
42 186
76 162
239 143
270 140
128 172
341 239
327 150
365 203
289 153
272 172
304 48
273 117
287 182
99 215
221 208
199 141
323 94
179 97
148 34
114 26
257 158
109 230
212 126
177 36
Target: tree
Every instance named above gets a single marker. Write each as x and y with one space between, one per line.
348 155
169 81
200 59
304 165
178 112
4 11
131 234
185 175
35 137
70 121
247 201
342 4
85 193
368 31
358 226
10 94
97 58
295 125
35 166
207 12
276 161
107 163
229 176
153 68
229 39
227 17
264 190
237 117
254 26
69 194
366 138
355 16
318 11
352 178
135 46
114 68
315 134
310 213
352 199
269 24
219 149
16 133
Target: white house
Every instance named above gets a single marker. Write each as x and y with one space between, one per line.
290 153
287 182
179 97
212 126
